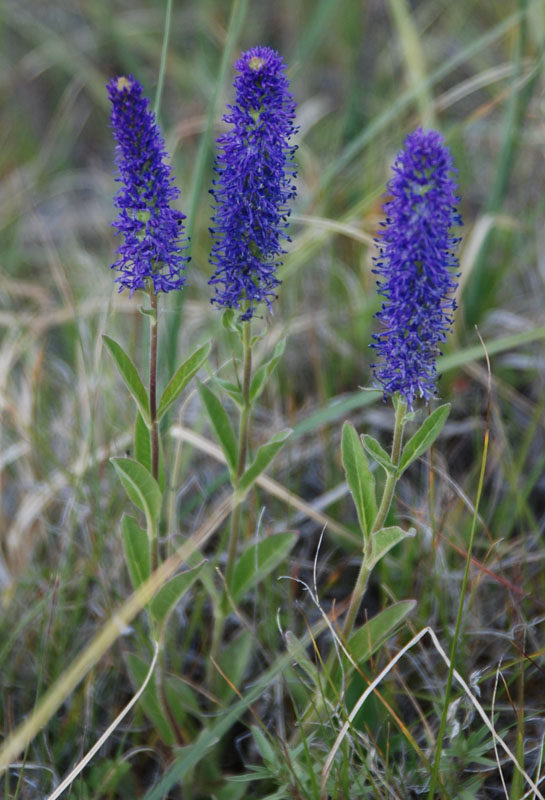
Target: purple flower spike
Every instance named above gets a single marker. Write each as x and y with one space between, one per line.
255 169
152 229
417 266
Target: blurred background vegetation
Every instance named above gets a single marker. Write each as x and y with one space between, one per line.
364 73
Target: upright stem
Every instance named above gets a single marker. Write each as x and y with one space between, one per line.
154 428
385 503
243 436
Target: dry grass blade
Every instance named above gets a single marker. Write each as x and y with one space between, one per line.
69 679
107 733
480 710
335 227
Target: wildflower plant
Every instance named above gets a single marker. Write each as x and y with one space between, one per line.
150 259
254 183
417 267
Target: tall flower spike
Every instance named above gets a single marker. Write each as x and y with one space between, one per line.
417 267
152 229
255 180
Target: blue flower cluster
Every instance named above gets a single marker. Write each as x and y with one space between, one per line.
152 229
255 181
417 267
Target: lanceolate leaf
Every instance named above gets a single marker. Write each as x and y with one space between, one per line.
360 479
149 700
136 544
130 376
221 425
258 561
383 540
142 449
142 442
265 370
169 595
233 660
142 489
231 389
181 378
424 437
263 458
377 451
367 639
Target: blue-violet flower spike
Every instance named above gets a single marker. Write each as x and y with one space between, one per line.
255 181
152 229
417 267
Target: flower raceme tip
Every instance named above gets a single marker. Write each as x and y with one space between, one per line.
417 267
153 245
254 183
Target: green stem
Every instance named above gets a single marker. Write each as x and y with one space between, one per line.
154 427
162 66
385 503
243 436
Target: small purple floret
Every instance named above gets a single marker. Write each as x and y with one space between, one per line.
152 229
417 267
255 181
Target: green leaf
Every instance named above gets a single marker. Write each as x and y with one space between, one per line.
258 382
263 458
170 594
377 451
371 636
182 698
181 378
258 561
229 320
221 425
142 442
266 750
234 660
424 437
149 700
361 480
231 389
265 370
383 540
142 489
130 376
136 544
142 449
